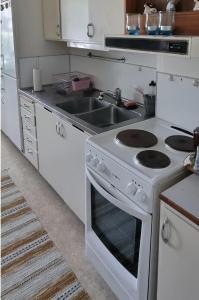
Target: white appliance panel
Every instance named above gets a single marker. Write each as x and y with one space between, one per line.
178 100
11 111
8 49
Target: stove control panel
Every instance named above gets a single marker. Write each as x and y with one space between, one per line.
127 182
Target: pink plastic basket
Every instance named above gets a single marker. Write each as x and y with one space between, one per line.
81 84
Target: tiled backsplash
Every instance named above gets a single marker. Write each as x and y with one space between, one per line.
49 65
179 93
136 73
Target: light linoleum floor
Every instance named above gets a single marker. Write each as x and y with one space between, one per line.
63 226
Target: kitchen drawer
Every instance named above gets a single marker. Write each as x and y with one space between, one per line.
29 140
27 104
31 130
31 155
27 116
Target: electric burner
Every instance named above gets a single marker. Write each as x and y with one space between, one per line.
153 159
181 143
136 138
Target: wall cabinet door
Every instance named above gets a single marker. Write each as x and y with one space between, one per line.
88 20
74 19
61 158
52 19
106 17
178 270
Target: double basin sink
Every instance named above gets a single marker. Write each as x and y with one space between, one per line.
101 114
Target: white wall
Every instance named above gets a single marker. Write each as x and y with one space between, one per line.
49 66
136 72
178 65
177 99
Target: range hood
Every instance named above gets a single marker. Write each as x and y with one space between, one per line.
172 45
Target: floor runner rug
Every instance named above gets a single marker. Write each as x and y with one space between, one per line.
31 265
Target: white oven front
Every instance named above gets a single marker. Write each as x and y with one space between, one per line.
118 237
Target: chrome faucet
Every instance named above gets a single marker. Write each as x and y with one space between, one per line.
116 95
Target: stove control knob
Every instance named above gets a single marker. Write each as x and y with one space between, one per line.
89 157
131 188
101 167
95 162
142 196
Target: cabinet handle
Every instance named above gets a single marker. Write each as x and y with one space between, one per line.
26 117
58 30
62 131
166 231
30 151
90 35
28 128
26 106
29 140
58 128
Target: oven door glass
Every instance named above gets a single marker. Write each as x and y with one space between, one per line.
117 230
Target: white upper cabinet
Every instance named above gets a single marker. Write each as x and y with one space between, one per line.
106 17
83 22
51 19
74 20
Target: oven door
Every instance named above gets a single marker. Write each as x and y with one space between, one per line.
117 238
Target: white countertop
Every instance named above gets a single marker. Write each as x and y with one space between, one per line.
184 197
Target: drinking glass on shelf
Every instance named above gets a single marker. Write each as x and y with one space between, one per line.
151 25
166 22
133 24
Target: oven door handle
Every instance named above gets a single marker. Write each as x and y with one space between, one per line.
126 205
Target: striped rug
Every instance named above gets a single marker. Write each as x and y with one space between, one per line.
31 265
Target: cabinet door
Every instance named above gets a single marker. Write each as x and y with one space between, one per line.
178 270
11 115
51 19
61 158
74 20
107 17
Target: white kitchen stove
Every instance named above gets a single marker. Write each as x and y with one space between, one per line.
126 156
124 181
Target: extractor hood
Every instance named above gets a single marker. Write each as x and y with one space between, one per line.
170 45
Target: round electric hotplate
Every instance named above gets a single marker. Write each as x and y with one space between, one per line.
137 138
153 159
180 142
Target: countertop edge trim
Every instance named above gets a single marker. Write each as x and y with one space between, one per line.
181 210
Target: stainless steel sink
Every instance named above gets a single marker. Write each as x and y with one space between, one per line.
81 105
108 116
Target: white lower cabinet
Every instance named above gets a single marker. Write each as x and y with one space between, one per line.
61 149
178 270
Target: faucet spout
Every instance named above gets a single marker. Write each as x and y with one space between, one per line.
116 96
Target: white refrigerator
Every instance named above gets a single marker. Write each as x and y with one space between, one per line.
10 114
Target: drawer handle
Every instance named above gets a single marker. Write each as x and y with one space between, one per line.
166 231
26 117
30 151
28 128
29 140
26 106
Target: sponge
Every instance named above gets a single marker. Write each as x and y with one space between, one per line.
130 104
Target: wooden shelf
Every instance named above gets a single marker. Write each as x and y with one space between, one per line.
137 6
186 20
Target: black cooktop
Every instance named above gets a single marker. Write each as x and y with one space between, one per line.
153 159
180 143
137 138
